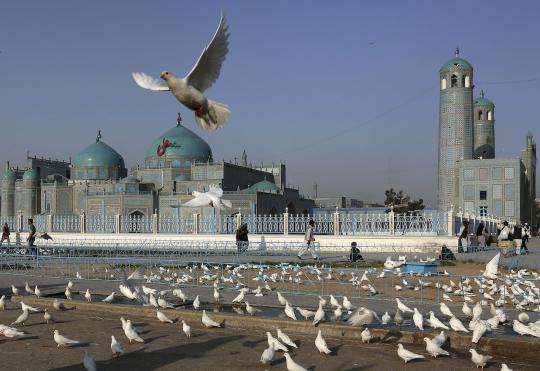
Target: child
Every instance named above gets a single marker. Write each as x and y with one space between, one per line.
355 253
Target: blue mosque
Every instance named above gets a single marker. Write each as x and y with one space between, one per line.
176 163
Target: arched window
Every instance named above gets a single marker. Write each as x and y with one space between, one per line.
175 163
467 81
490 115
453 81
443 83
480 115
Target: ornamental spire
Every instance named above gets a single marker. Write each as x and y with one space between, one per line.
98 136
179 119
482 93
456 52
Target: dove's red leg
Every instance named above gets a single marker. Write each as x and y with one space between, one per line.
200 111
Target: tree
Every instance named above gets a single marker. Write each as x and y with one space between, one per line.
401 202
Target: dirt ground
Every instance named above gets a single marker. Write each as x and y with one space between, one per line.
166 348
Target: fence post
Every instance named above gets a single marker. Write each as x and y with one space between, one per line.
336 222
117 223
155 224
392 221
286 221
195 223
19 222
82 219
49 223
451 222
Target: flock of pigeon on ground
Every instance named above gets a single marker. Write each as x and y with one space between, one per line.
516 288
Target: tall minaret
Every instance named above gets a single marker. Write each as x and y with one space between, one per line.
455 125
484 127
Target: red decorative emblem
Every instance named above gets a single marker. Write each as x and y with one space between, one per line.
161 148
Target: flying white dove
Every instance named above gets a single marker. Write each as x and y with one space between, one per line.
478 359
407 355
116 347
211 198
210 115
434 349
61 340
88 362
321 345
292 365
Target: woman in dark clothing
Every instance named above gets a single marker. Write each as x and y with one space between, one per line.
242 241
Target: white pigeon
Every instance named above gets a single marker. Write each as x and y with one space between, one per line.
88 362
466 310
189 90
58 305
398 318
385 319
116 347
402 307
439 339
305 313
479 330
37 292
109 299
319 314
68 293
196 303
14 290
366 335
251 309
163 303
418 319
21 319
480 360
180 294
477 310
347 304
272 341
268 355
62 340
434 322
130 332
289 311
10 332
47 316
281 299
321 345
523 317
457 325
492 267
292 365
407 355
217 295
207 321
323 301
334 302
504 367
28 307
28 289
210 198
361 317
286 339
240 298
88 296
186 328
163 317
445 310
434 349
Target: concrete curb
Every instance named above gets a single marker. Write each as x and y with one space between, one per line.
501 347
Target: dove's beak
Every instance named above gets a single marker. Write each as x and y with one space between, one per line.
162 75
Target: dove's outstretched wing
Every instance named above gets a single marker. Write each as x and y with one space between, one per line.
207 69
148 82
216 191
199 201
227 203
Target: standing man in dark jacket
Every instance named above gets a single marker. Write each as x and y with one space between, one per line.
242 241
31 237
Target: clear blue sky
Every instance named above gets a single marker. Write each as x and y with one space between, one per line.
346 92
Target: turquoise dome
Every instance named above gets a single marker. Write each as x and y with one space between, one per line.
30 174
481 101
130 179
184 144
456 62
264 186
98 154
8 174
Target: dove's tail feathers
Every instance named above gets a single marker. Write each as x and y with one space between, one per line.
218 114
227 203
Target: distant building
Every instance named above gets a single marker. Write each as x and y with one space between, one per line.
340 202
176 164
470 177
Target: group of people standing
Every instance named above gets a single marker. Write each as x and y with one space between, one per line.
504 233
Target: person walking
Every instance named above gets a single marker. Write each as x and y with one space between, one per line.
504 234
31 237
463 237
481 234
308 241
525 235
5 235
242 241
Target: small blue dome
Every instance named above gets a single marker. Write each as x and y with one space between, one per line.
481 101
30 174
264 186
182 143
457 63
98 154
9 175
